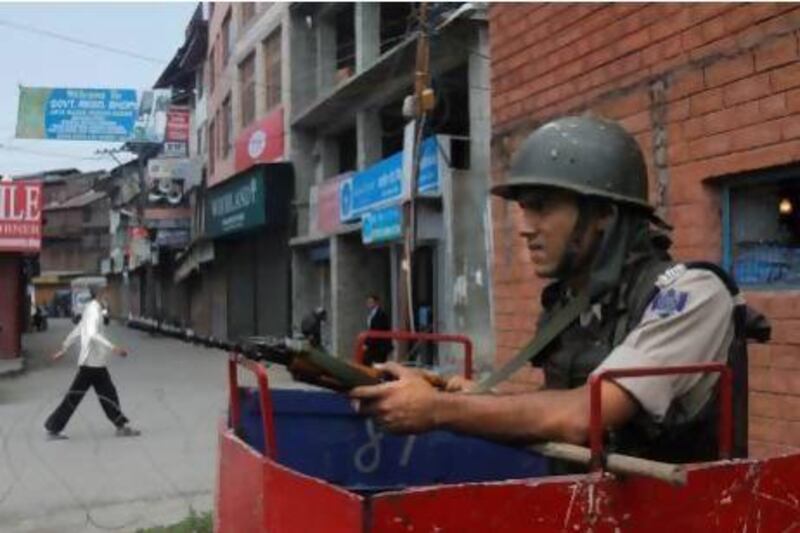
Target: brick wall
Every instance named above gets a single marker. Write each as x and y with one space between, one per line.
708 90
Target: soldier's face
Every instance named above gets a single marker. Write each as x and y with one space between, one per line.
549 219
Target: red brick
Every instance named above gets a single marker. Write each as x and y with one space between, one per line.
759 355
793 101
745 90
688 83
669 47
756 135
706 102
728 70
784 356
761 450
677 111
693 128
790 128
678 152
786 77
786 331
728 119
710 146
784 304
773 106
776 53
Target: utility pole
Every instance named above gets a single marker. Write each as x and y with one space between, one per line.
423 100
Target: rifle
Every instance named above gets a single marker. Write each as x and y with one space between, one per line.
305 362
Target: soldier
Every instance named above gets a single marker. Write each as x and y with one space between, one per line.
616 300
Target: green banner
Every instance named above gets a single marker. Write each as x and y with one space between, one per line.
236 206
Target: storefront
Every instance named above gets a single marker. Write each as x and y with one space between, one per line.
249 219
20 235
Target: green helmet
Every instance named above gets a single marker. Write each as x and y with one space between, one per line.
586 155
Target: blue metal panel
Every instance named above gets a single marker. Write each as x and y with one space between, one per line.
320 435
727 251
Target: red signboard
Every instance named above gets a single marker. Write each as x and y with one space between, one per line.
20 216
328 219
261 143
177 124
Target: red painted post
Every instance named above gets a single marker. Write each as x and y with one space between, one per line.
264 398
595 402
10 305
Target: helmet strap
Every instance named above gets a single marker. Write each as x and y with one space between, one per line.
569 261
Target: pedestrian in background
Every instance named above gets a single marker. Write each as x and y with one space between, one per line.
377 350
92 372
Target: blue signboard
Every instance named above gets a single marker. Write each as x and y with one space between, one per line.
382 225
428 180
382 184
115 115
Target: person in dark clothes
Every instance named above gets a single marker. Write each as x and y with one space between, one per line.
377 350
311 326
92 372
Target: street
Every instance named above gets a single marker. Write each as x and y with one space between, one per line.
95 481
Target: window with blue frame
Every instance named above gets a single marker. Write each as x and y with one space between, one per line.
761 229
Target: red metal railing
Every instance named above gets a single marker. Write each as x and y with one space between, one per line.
725 402
414 336
265 399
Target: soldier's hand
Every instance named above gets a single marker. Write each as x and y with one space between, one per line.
56 356
405 405
120 351
460 384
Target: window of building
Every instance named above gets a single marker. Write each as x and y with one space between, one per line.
87 214
761 230
345 42
247 78
199 141
248 12
211 70
395 20
212 145
227 39
227 126
272 68
348 150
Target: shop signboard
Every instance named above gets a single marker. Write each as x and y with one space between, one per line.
178 119
328 220
260 143
114 115
382 225
236 206
386 182
20 216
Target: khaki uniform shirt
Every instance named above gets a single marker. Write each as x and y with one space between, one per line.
688 321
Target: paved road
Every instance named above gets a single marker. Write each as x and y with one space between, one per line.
95 481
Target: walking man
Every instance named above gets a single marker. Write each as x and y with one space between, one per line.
92 372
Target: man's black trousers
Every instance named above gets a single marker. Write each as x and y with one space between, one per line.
87 376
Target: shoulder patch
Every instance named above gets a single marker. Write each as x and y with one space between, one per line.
669 302
668 278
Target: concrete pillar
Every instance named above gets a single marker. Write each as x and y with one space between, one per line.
301 61
369 137
355 272
467 223
326 55
368 34
10 305
328 149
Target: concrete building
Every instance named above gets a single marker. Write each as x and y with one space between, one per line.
247 207
352 67
75 237
712 94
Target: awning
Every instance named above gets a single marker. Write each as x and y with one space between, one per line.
200 252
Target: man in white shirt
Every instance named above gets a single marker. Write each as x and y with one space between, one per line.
92 372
